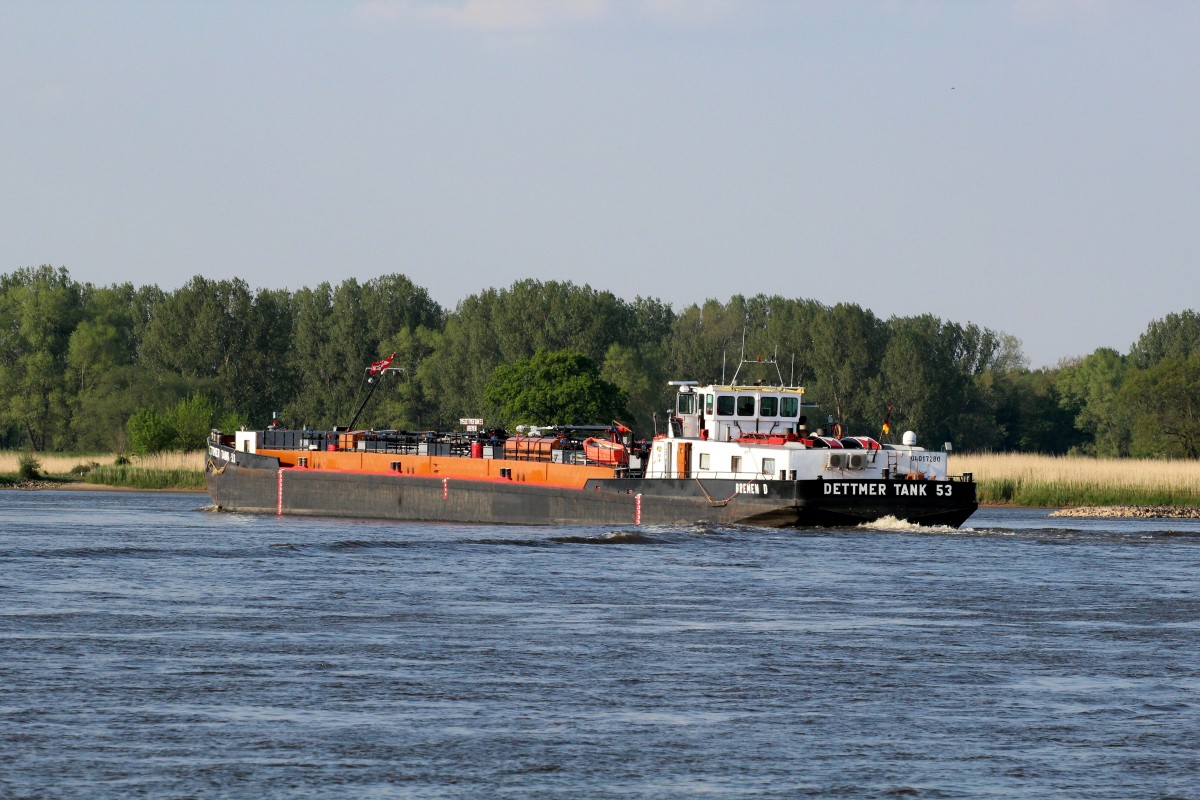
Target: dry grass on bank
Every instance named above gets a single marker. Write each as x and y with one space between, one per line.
1074 480
62 463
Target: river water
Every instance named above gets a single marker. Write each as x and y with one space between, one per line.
149 648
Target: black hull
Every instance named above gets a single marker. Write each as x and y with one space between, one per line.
771 503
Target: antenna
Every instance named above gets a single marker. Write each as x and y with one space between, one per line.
758 360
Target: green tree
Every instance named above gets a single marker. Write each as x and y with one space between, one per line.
338 332
402 400
638 373
1174 335
108 385
1164 402
317 377
198 333
149 432
500 327
706 341
1092 385
393 303
39 309
183 427
847 347
226 342
559 387
189 422
1030 416
932 373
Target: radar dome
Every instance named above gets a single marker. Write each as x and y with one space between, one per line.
909 438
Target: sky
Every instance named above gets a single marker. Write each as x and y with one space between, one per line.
1024 165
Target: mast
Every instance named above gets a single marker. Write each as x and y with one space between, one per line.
374 373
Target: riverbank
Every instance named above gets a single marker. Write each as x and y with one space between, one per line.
81 486
1131 512
63 463
1039 481
159 472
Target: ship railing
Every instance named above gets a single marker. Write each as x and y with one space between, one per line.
431 443
719 475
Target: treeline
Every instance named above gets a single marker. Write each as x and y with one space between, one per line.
80 364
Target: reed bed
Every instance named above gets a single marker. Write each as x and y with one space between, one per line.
135 477
1061 481
157 471
63 463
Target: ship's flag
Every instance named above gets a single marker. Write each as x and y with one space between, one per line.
379 366
887 426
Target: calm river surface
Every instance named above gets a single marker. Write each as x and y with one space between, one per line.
152 649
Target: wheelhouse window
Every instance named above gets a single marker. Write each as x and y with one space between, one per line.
724 405
708 403
686 403
745 405
768 406
789 406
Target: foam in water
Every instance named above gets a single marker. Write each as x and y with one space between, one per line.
890 523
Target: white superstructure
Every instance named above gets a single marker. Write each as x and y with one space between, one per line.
757 433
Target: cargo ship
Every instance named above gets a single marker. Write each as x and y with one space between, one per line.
730 454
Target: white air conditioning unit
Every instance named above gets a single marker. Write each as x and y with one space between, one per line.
856 460
835 461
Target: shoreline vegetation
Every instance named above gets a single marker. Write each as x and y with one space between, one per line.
1080 482
182 472
1079 485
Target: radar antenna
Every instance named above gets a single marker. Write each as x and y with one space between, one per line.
757 361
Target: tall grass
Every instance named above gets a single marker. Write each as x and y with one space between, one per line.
1056 481
158 471
62 463
135 477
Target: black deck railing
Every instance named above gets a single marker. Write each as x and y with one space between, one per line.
431 443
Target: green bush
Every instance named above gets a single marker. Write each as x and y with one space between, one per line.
189 422
231 422
184 427
28 467
148 432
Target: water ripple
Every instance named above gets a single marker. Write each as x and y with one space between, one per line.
147 650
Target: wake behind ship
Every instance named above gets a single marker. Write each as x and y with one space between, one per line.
731 455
